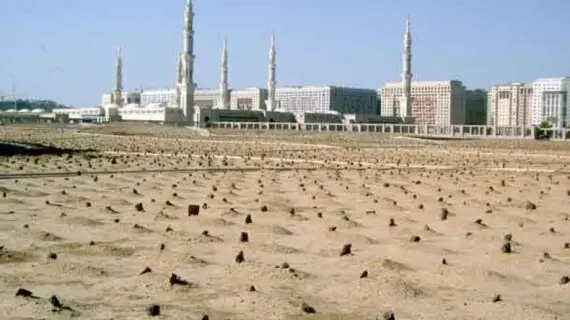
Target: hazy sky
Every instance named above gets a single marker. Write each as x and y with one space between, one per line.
65 49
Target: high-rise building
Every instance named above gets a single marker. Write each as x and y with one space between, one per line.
476 107
433 102
550 101
324 99
510 105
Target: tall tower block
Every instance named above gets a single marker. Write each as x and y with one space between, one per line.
406 105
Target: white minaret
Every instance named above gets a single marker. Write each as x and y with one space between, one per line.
224 102
185 86
406 104
117 97
271 103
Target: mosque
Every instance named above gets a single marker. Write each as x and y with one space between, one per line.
187 104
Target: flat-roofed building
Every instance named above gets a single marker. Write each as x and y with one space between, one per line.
240 99
158 96
476 107
433 102
550 101
510 105
126 97
323 99
248 99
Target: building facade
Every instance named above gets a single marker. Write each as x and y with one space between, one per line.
159 96
550 101
476 107
126 97
79 113
510 105
207 98
324 99
433 102
248 99
151 113
240 99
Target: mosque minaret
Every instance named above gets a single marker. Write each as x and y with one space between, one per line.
186 104
117 93
224 102
185 85
272 104
406 105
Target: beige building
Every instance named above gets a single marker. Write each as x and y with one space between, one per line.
510 105
433 102
248 99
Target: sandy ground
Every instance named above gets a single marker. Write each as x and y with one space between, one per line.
69 226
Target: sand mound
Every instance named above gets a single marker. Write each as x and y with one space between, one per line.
13 256
97 249
375 289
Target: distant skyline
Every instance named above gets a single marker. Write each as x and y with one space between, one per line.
66 51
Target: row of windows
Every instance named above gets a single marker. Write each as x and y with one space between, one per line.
141 111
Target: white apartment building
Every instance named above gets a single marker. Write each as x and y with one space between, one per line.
324 99
510 105
433 102
550 101
165 97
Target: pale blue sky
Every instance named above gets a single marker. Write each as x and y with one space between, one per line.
65 49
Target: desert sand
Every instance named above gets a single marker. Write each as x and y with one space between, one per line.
436 229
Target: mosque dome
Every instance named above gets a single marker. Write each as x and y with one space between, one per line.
24 110
38 110
11 110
